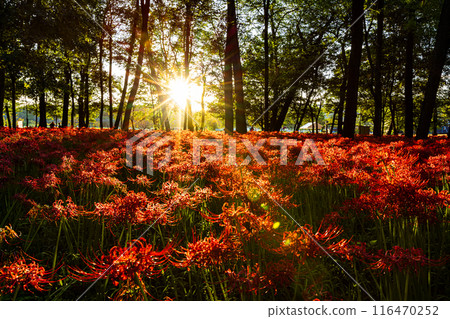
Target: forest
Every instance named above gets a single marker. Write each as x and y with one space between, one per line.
235 65
180 150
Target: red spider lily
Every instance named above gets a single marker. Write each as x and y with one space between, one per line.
209 251
100 168
280 274
295 243
122 264
141 180
247 280
134 208
43 183
57 211
7 233
346 250
244 222
175 196
403 258
20 274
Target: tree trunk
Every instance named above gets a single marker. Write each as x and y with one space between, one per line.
42 110
342 90
8 118
111 124
278 124
86 92
81 116
102 103
409 103
241 123
127 69
66 97
228 72
72 93
187 57
377 127
266 64
233 68
435 121
2 94
202 125
437 63
13 100
353 69
145 8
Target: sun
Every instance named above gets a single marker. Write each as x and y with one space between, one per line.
181 90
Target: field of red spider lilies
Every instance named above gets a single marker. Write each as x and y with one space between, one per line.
73 214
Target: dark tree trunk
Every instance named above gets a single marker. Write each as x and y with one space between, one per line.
81 115
8 118
202 125
266 64
342 90
340 107
86 92
409 103
127 69
228 85
13 100
102 103
187 57
42 110
437 63
435 121
241 123
302 116
353 69
72 93
111 119
66 97
228 72
233 64
2 94
278 124
377 125
145 8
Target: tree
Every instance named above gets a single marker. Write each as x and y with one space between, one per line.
378 97
266 4
145 9
409 56
135 17
353 68
438 59
233 69
2 94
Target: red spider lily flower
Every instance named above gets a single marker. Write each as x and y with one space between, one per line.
244 222
142 180
123 263
175 196
100 168
25 275
134 208
403 258
45 182
210 251
346 250
248 280
295 243
7 233
280 274
58 210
